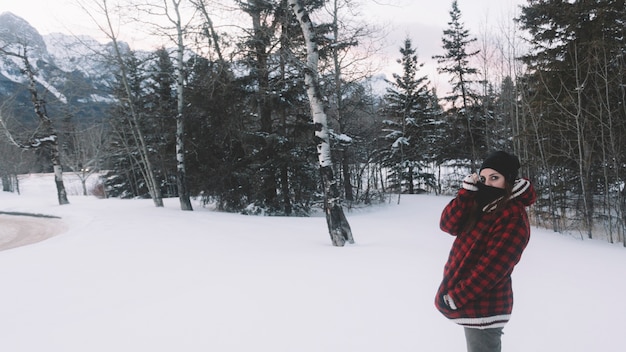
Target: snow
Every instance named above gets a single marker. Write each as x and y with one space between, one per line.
14 63
102 99
127 276
51 89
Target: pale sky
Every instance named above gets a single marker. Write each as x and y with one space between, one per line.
425 20
421 20
45 15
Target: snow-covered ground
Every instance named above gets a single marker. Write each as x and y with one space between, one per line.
127 276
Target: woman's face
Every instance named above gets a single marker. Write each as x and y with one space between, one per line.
491 177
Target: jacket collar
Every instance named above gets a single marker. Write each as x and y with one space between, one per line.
523 191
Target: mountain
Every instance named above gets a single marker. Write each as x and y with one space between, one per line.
72 73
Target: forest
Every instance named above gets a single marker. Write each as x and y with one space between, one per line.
280 117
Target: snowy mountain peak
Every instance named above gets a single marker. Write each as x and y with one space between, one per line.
16 31
69 68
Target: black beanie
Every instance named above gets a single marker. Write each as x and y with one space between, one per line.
503 162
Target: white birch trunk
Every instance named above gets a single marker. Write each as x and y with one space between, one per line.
181 174
338 226
48 141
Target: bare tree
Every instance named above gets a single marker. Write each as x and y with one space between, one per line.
45 137
83 150
173 15
209 29
353 44
338 225
134 126
12 163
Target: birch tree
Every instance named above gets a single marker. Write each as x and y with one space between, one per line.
133 121
181 174
338 225
172 11
45 137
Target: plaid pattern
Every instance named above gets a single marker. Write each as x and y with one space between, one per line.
477 275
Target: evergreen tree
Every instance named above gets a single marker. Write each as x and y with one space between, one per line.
502 131
129 101
218 169
575 102
124 179
463 100
410 124
158 121
259 46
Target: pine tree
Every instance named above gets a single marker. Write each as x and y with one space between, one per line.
130 94
219 168
260 44
576 77
456 63
410 121
158 122
126 178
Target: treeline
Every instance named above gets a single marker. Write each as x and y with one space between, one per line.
572 109
559 103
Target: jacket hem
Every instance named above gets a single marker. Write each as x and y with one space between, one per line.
496 321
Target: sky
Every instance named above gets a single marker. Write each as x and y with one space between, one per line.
66 15
125 276
421 20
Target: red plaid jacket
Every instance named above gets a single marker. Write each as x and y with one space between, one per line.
477 275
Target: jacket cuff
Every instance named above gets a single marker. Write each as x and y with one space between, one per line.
469 184
520 186
449 302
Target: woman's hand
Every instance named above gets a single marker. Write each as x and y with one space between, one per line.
470 181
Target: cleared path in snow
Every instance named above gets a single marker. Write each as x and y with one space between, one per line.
21 230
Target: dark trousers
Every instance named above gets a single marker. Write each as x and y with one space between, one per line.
487 340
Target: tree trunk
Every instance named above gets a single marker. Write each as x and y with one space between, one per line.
48 140
338 226
282 113
146 167
347 177
181 174
58 180
410 180
261 42
345 165
584 153
6 183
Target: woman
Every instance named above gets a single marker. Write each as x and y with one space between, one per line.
489 219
